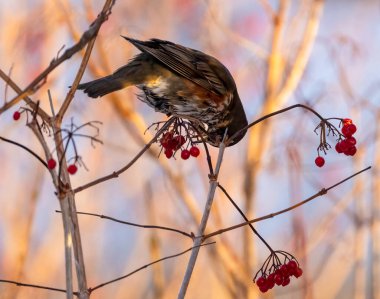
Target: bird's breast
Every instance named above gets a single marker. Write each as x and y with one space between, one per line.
175 95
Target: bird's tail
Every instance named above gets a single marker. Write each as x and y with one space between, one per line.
102 86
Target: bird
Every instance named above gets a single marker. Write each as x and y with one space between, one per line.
182 82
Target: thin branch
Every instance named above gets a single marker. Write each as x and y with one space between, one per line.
21 284
135 224
320 193
115 174
146 266
25 148
245 218
273 114
202 227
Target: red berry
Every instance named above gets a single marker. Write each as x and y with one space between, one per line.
344 145
263 288
51 163
172 144
185 154
72 169
346 121
278 279
351 151
319 161
298 272
270 281
176 142
351 129
270 277
168 153
286 281
338 148
180 140
261 281
16 115
194 151
284 270
345 131
165 140
351 140
292 267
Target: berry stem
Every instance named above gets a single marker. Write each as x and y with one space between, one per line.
209 162
245 218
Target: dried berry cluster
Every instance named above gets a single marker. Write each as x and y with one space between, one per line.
69 135
278 268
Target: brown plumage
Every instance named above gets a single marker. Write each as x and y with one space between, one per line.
183 82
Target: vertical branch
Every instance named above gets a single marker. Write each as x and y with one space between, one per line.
202 227
374 259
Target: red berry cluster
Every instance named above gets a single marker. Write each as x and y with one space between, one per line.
172 143
71 169
346 142
273 272
280 277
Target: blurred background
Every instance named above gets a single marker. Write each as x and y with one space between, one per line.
321 53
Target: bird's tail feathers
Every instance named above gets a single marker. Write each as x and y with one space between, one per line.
102 86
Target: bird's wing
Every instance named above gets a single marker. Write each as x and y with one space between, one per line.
189 63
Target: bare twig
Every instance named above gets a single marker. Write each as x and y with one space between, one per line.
245 218
115 174
135 224
320 193
147 265
21 284
273 114
25 148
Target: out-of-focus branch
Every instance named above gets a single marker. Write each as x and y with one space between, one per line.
86 37
116 173
237 38
268 8
303 54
